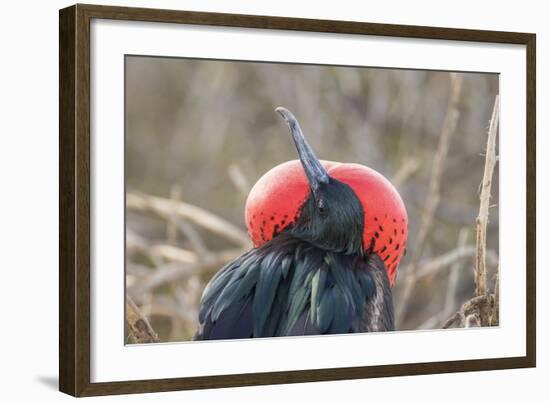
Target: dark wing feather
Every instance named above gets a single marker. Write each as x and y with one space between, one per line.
288 287
353 296
225 309
304 326
235 322
241 300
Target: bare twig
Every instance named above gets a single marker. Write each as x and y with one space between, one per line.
188 262
472 320
160 252
457 317
437 263
454 274
140 330
407 169
166 208
171 224
195 239
452 283
181 269
208 261
496 307
429 267
440 157
469 307
432 199
483 216
238 178
173 253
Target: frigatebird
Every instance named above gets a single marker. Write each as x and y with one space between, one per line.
327 237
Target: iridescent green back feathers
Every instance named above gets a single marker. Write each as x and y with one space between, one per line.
289 287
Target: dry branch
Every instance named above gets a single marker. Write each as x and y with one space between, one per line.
472 321
436 264
167 208
452 281
169 273
440 157
171 253
194 238
238 178
483 216
433 197
181 269
172 223
454 274
468 308
482 310
140 331
496 308
407 169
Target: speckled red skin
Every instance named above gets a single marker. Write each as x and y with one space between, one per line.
276 199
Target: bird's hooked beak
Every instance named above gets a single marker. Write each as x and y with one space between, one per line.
315 172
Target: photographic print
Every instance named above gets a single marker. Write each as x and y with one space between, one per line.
254 189
278 199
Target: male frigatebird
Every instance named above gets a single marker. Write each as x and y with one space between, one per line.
328 238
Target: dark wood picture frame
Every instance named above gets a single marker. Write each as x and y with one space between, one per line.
74 199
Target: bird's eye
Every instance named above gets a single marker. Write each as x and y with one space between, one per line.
321 206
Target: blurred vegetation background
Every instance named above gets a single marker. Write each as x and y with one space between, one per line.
199 133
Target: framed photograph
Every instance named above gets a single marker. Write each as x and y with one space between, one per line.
250 200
